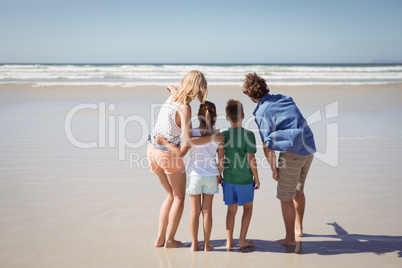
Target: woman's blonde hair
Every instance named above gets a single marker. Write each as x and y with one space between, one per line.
193 85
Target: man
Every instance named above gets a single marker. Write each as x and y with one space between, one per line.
283 128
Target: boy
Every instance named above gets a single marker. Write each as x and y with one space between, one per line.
283 128
239 168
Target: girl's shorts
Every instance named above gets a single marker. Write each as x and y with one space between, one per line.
202 184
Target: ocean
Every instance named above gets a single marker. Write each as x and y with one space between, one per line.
129 75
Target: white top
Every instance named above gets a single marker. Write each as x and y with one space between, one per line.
203 158
166 125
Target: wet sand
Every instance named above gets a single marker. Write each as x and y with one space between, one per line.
66 206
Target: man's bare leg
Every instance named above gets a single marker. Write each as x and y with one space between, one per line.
177 181
165 209
230 220
300 204
289 215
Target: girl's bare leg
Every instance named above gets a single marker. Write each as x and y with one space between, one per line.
165 209
207 215
177 181
195 220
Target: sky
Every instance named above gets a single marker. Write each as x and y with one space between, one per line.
218 31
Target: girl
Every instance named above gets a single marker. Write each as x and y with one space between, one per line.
204 174
173 120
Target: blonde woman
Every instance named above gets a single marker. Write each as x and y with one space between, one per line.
174 119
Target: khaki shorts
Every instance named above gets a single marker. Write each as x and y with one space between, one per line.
293 169
164 161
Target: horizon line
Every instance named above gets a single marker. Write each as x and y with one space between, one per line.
198 63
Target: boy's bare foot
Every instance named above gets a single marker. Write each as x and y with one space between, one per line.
299 231
287 242
208 247
173 244
195 246
160 242
246 243
229 244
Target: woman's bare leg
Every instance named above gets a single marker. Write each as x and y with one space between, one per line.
195 220
177 181
207 215
165 209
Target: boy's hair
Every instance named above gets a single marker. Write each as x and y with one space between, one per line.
207 117
193 85
234 110
255 86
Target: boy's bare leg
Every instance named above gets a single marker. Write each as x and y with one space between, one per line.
165 209
245 223
230 220
300 204
207 215
177 181
289 215
195 220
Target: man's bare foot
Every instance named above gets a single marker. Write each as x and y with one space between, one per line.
287 242
229 244
160 242
246 243
195 246
208 247
173 244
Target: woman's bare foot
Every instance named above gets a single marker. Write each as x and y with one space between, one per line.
299 230
229 244
173 244
208 247
246 243
195 246
287 242
160 242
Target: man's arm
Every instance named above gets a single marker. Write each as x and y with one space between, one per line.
271 157
253 166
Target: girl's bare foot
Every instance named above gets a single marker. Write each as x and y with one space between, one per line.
208 247
299 230
287 242
229 244
173 244
160 242
246 243
195 246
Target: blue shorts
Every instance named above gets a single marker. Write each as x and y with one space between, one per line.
202 184
236 193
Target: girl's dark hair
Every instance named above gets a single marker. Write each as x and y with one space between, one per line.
255 86
207 116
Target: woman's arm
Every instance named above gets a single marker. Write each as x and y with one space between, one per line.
159 139
221 161
253 166
172 90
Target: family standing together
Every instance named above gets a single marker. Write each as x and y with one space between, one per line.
227 158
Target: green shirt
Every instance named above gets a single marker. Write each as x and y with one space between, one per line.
238 143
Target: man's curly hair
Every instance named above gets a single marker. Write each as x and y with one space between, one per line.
255 86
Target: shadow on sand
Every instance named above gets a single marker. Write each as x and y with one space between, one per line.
342 243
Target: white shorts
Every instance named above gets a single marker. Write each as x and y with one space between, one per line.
202 184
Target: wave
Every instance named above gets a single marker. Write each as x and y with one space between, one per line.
216 74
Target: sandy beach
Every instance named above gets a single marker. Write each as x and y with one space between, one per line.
64 206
